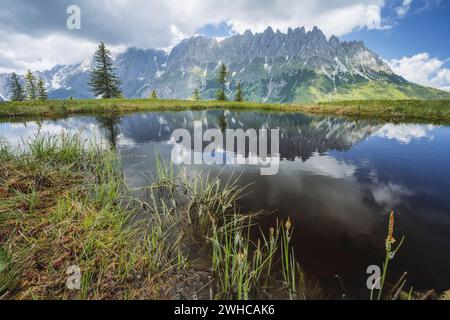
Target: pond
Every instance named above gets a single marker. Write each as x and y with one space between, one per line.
338 180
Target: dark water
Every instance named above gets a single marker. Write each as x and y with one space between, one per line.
338 180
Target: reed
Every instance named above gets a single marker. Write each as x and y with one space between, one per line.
292 273
205 210
391 251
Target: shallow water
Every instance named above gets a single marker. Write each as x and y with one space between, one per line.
338 180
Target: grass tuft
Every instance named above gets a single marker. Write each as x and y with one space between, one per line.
63 204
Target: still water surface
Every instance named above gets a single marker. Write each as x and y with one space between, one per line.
338 180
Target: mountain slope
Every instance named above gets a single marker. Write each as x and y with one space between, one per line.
296 66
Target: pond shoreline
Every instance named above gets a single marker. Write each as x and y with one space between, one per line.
412 111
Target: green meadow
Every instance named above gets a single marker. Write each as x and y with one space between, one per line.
433 111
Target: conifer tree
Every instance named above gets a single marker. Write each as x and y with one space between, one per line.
239 97
104 81
222 79
30 86
42 93
196 95
16 88
154 95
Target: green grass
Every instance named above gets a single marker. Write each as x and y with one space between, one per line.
243 267
62 203
434 111
67 107
321 89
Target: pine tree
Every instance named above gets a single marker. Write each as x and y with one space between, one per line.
16 88
109 125
222 79
239 97
154 95
196 95
42 93
30 86
104 81
223 123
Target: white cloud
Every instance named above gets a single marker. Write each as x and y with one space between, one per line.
332 18
423 69
19 52
329 166
373 17
405 133
402 10
14 134
34 33
390 195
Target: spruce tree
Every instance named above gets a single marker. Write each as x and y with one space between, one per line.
223 123
154 95
16 88
104 81
30 86
42 93
239 97
222 79
196 95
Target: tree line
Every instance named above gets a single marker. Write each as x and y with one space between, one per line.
105 83
222 79
33 89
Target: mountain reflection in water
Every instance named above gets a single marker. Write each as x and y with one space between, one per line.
337 181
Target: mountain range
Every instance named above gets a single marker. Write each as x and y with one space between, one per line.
297 66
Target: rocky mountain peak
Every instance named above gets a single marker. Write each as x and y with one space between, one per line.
268 31
334 41
248 33
298 65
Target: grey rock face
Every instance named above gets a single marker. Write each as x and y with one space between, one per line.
266 63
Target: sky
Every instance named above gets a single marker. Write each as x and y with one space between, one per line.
411 35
